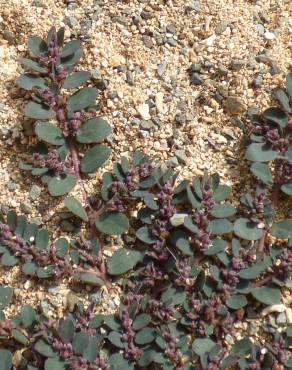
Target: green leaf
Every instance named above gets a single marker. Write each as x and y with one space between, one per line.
118 362
218 245
19 337
5 359
29 81
82 99
192 198
287 188
45 272
61 184
66 330
247 229
141 321
8 260
282 229
202 345
283 99
260 152
263 172
145 235
89 279
242 347
6 294
42 239
28 316
116 339
180 239
221 226
29 268
31 64
55 364
70 48
276 115
289 84
221 193
37 46
80 342
44 348
173 296
91 351
50 133
94 158
236 301
252 272
223 210
76 208
123 260
38 111
267 295
147 357
93 130
76 79
112 223
62 247
60 36
146 335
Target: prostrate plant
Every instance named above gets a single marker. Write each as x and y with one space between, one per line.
193 266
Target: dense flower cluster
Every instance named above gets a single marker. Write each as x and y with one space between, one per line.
50 161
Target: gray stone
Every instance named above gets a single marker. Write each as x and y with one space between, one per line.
171 29
67 226
146 15
95 73
130 78
195 67
281 319
258 80
173 162
262 58
158 38
10 37
161 67
252 111
147 41
196 79
12 186
181 156
54 290
234 105
112 95
274 70
193 6
137 20
171 41
261 29
35 192
135 121
222 70
221 27
180 118
237 64
218 97
71 22
26 208
45 307
147 124
121 20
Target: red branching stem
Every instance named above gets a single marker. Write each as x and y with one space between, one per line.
274 202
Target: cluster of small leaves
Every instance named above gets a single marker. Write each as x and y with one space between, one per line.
25 244
73 122
193 265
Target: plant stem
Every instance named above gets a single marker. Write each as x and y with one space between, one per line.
274 201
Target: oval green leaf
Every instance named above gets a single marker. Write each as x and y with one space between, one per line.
94 158
50 133
112 223
93 130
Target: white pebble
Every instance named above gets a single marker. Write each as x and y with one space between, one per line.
269 35
143 110
274 308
